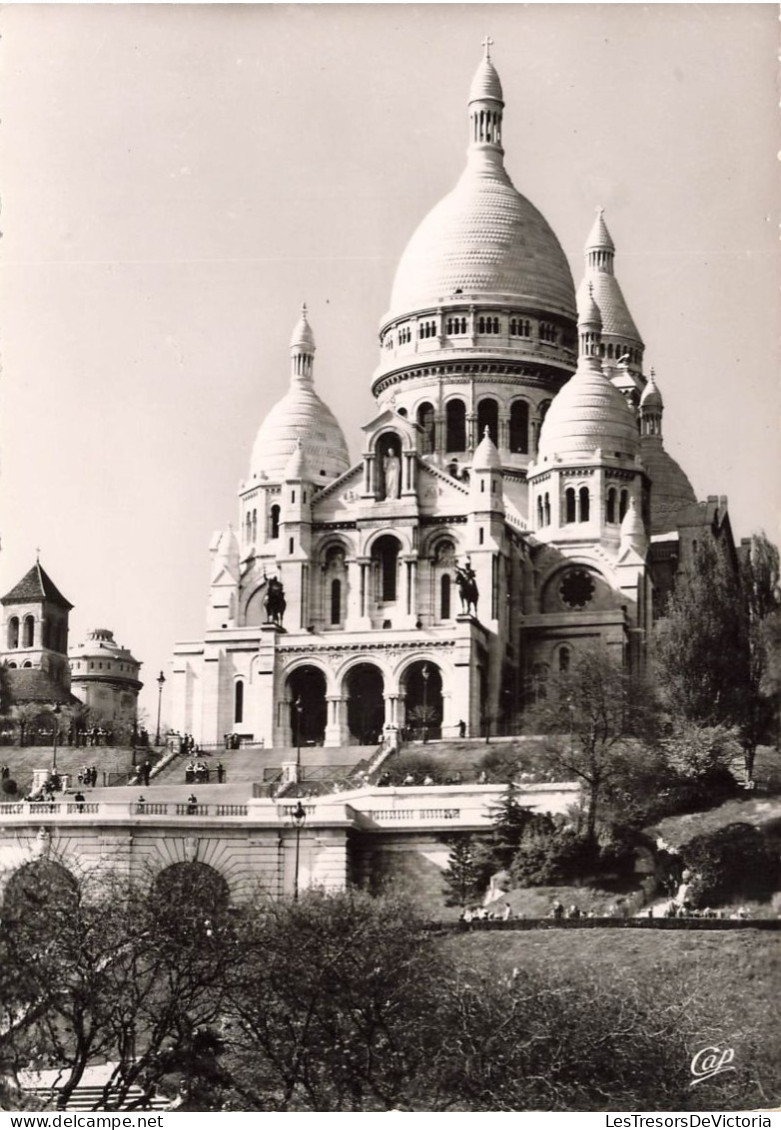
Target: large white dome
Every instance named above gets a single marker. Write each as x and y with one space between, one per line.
484 240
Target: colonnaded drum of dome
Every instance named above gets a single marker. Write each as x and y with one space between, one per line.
512 497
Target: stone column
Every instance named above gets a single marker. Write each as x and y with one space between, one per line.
335 729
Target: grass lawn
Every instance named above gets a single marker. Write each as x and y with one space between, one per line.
733 977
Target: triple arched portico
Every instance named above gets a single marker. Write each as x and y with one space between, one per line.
363 699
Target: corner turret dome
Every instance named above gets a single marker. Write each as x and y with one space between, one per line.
588 414
300 416
486 456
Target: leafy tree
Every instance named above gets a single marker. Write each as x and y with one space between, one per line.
335 1005
701 644
759 565
595 715
734 861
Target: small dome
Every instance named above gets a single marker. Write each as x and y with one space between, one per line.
633 528
486 83
651 397
300 414
616 319
588 311
671 490
296 469
228 545
587 414
302 336
486 457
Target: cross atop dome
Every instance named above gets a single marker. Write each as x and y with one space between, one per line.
488 44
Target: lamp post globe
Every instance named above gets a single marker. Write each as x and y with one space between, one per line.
160 685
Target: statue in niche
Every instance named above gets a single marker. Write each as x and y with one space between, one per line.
391 473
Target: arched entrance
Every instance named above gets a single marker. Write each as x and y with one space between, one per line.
40 891
189 900
423 701
365 704
306 689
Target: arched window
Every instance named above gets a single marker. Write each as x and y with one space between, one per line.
564 660
623 505
274 522
519 427
569 504
539 512
254 525
248 527
238 702
444 597
28 631
610 509
336 601
426 422
585 506
386 555
13 632
455 422
488 417
547 509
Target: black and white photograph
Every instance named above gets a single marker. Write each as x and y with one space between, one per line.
390 614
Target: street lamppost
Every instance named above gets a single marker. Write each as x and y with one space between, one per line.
160 685
56 712
299 819
298 706
425 673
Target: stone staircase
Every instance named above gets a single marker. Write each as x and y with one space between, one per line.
91 1098
256 764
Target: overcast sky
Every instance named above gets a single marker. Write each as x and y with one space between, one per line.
177 180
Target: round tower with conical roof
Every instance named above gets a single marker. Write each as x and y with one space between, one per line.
622 347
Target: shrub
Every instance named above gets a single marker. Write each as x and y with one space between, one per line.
10 787
733 862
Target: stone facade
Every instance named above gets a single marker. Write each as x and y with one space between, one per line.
513 420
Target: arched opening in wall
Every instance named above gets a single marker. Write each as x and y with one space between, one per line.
519 427
306 688
426 423
569 504
488 417
445 587
336 602
540 514
13 632
547 508
28 631
538 682
388 466
610 507
422 682
364 685
273 522
385 565
238 702
42 891
564 658
189 900
623 505
455 425
585 504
